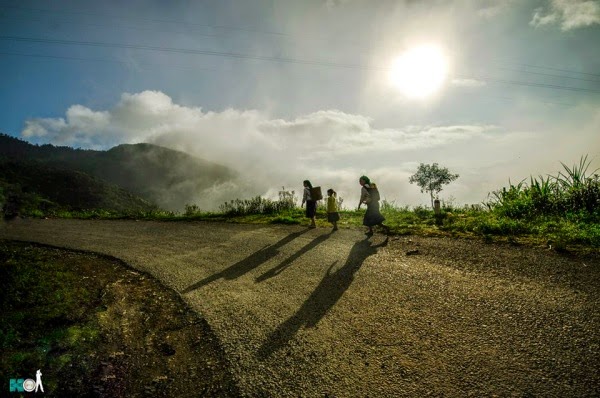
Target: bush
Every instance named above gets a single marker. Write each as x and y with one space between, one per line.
191 210
570 192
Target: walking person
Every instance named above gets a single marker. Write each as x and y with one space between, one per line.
311 204
369 195
333 216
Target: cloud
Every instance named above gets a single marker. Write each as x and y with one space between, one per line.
495 8
335 3
330 147
79 126
570 14
472 83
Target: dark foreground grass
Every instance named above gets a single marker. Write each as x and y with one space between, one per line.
45 322
95 328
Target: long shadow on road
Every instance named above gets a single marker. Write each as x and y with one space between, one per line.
248 264
324 297
288 261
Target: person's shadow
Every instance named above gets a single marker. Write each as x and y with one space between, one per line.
324 297
248 264
288 261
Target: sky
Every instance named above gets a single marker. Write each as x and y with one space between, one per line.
283 91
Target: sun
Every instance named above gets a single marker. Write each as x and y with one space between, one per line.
420 71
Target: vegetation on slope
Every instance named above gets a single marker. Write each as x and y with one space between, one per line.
28 187
159 175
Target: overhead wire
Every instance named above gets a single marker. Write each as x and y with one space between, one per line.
553 75
196 33
170 65
281 34
153 20
189 51
274 59
267 58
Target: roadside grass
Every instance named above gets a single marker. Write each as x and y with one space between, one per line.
557 211
574 230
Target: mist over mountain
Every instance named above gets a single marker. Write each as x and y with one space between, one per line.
170 179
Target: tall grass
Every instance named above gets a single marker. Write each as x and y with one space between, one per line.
564 208
259 205
572 193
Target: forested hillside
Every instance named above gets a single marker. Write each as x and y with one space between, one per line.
159 175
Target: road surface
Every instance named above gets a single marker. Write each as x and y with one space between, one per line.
308 312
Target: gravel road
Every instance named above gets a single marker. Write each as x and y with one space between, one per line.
308 312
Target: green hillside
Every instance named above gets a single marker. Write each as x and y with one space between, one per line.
169 178
30 187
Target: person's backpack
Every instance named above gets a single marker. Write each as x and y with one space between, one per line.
373 193
315 193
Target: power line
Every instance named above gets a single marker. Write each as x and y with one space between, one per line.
530 84
190 51
512 99
197 33
151 20
110 61
280 34
548 68
552 75
273 59
162 66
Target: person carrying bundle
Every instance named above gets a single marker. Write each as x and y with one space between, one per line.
369 195
310 197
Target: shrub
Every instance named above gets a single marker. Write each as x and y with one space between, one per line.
256 205
423 212
191 210
570 192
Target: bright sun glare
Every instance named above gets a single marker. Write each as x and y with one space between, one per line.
420 71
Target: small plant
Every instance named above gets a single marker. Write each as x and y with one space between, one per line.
191 210
287 199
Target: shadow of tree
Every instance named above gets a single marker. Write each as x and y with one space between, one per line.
324 297
288 261
249 263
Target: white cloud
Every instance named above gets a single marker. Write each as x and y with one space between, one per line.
570 14
335 3
43 127
494 8
330 147
470 83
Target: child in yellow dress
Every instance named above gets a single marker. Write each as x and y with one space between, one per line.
332 208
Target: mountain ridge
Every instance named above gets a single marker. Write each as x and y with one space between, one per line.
169 178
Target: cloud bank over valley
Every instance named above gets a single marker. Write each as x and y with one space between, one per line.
330 147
